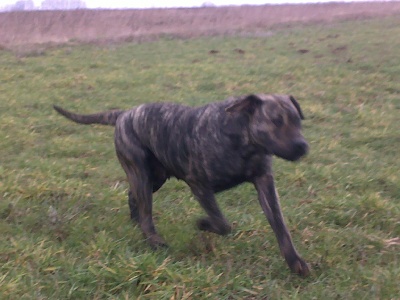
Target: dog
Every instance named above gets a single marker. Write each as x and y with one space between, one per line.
212 148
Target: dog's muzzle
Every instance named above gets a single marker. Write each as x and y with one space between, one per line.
299 149
294 151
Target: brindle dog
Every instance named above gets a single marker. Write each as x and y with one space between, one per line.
212 148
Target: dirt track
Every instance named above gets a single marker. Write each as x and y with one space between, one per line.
27 28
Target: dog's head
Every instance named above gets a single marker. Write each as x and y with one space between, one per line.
275 124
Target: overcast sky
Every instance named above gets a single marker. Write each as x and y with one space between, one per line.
167 3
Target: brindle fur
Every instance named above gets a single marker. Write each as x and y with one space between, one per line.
212 148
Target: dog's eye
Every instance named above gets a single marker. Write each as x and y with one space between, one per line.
278 122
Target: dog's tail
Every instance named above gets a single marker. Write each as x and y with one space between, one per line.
106 118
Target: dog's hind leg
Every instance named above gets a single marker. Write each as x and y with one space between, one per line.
133 207
159 176
134 160
215 222
141 201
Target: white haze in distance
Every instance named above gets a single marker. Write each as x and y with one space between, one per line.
174 3
184 3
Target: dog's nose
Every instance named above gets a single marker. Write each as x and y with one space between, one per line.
300 147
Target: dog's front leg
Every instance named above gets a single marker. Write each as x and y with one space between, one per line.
269 202
215 222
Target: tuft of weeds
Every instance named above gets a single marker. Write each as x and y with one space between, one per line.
64 221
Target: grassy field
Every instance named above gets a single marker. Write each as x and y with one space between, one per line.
64 221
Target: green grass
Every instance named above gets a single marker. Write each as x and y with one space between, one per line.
64 222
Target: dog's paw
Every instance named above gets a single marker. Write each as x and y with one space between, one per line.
300 267
156 242
204 224
207 224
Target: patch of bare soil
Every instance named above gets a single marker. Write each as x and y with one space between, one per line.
42 27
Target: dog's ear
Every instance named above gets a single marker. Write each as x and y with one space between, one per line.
297 105
247 105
